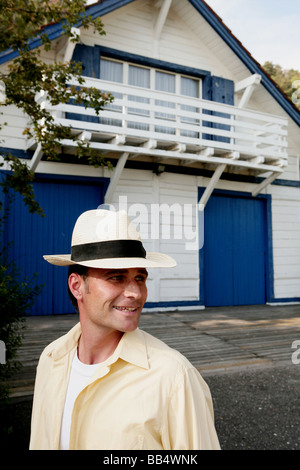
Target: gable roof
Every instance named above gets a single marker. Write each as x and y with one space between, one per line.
102 7
244 55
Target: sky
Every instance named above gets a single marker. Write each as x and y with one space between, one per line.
268 29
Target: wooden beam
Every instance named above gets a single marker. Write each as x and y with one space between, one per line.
207 152
178 147
149 144
37 156
115 177
254 79
118 139
249 84
85 136
162 16
211 186
265 183
70 46
234 155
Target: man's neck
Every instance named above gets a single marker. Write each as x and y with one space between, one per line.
96 348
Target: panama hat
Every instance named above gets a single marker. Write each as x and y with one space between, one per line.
108 239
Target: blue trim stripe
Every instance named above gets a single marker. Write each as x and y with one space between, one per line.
150 62
185 303
285 300
54 31
158 305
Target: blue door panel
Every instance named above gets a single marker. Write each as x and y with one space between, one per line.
234 251
218 253
34 236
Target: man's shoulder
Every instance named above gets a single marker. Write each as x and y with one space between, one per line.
62 344
157 349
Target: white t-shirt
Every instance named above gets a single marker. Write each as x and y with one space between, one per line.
79 376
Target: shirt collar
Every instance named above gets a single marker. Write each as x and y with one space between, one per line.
131 348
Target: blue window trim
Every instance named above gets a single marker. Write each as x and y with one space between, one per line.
268 237
150 62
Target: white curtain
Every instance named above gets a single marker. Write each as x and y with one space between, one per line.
189 87
138 76
113 72
165 82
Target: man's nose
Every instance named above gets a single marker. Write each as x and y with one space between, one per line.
133 290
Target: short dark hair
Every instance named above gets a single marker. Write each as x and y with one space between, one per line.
82 271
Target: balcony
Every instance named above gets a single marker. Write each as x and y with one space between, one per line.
164 127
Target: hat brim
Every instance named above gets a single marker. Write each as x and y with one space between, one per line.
152 260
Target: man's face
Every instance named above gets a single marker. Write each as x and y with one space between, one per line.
113 299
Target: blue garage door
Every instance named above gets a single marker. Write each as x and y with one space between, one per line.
34 236
234 251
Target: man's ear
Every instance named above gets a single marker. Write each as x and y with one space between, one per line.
75 282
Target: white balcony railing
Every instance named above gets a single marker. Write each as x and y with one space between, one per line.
179 126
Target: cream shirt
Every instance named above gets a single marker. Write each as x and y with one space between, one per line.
79 376
146 396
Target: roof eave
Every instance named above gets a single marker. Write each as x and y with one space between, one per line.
215 21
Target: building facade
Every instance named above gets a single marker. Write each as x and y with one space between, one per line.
205 150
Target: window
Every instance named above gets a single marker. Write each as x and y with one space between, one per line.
190 87
156 80
113 72
138 76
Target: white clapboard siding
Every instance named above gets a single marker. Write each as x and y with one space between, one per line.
11 134
160 197
132 31
182 41
286 241
187 290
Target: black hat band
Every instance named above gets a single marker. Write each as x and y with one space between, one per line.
108 249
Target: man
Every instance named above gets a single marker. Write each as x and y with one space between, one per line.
106 384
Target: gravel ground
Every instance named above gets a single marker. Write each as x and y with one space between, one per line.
258 409
254 410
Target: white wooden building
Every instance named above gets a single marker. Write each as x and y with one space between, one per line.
203 143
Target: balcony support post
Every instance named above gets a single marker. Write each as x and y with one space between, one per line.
248 85
265 183
211 186
37 156
115 177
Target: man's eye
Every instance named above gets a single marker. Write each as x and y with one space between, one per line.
116 278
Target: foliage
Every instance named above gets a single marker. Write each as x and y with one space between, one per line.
16 298
287 80
28 77
20 179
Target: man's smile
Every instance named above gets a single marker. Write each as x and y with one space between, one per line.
126 309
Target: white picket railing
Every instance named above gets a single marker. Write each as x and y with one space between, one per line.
140 115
